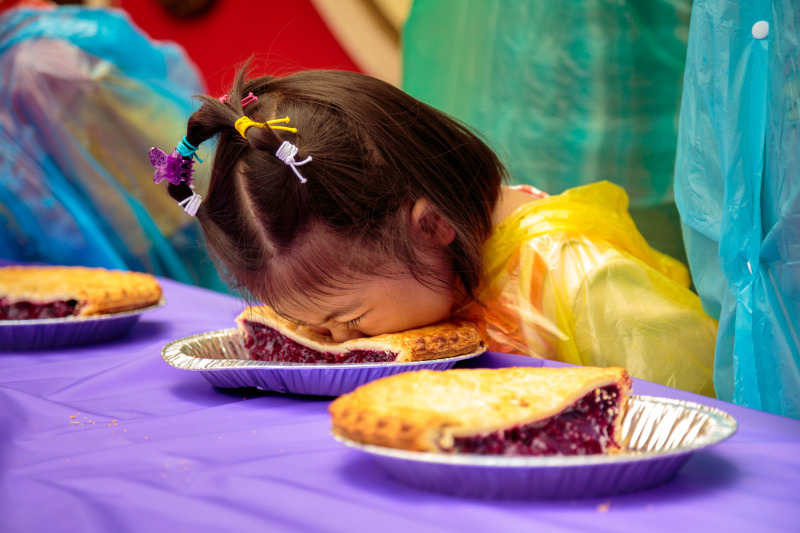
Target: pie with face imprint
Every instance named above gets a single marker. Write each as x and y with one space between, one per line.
270 337
35 292
508 411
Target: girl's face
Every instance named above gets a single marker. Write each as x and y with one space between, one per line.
374 305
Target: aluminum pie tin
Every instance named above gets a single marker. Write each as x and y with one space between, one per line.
47 333
659 435
223 360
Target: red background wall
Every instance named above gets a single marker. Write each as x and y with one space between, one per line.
284 36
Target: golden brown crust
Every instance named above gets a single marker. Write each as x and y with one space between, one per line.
426 410
445 339
98 291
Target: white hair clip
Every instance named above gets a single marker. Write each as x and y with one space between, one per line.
191 203
286 152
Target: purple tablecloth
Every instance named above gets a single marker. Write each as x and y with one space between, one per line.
110 438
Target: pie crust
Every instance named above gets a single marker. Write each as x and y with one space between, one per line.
445 339
86 291
431 411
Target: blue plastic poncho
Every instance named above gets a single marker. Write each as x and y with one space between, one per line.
83 95
737 184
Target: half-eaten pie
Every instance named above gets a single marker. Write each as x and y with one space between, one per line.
270 337
33 292
508 411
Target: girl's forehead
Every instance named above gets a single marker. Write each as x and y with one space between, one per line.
340 301
323 274
297 290
322 312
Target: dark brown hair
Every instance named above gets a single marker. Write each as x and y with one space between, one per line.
375 151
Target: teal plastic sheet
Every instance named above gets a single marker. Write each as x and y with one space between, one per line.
83 95
737 185
567 92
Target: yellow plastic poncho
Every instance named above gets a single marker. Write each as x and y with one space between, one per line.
570 278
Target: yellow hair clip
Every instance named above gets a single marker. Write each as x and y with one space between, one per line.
284 120
245 122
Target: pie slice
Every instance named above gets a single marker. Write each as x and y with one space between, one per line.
269 337
32 292
509 411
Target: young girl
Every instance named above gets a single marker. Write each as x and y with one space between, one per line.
351 207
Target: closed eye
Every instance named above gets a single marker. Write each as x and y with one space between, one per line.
350 324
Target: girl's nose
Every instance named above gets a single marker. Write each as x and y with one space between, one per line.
320 330
345 334
339 334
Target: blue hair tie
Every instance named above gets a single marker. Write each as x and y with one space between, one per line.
187 149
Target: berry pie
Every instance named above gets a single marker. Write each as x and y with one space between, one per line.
509 411
269 337
34 292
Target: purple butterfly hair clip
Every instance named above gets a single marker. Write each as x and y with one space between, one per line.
173 167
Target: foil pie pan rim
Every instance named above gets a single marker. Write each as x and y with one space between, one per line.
172 354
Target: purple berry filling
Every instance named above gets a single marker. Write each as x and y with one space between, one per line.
584 428
267 344
30 310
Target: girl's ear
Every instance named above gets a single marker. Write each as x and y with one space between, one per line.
430 225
